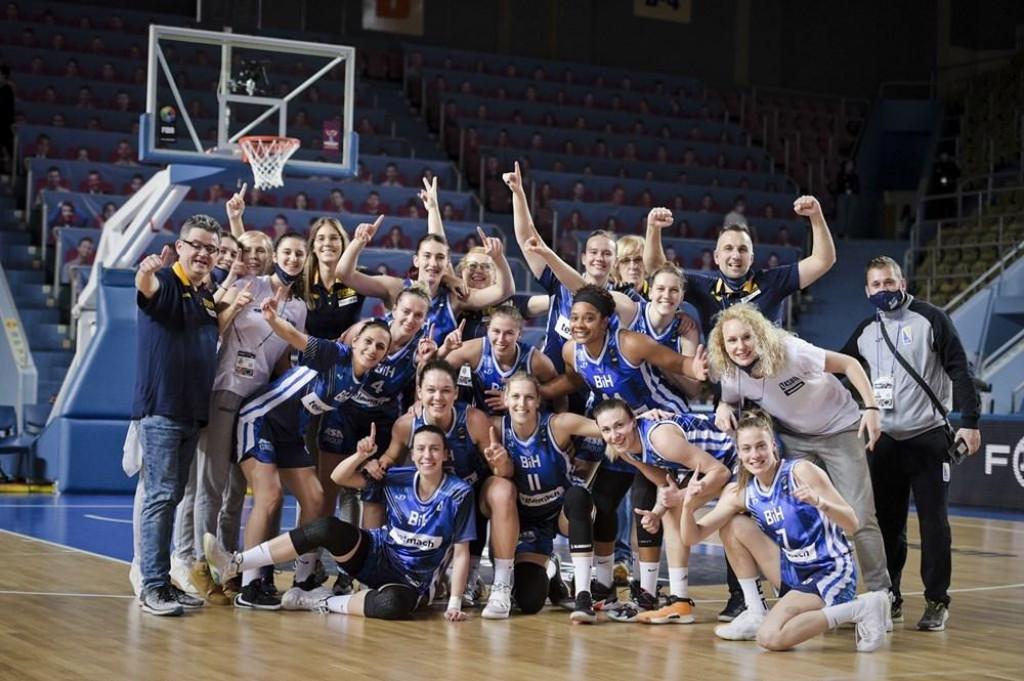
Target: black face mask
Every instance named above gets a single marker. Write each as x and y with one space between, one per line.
284 277
750 367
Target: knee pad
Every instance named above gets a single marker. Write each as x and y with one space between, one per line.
530 587
606 520
337 536
578 508
646 540
390 602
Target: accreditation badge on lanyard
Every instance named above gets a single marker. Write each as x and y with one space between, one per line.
884 390
245 364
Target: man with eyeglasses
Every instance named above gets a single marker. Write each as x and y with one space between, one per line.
177 359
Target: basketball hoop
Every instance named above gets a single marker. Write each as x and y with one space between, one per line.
267 156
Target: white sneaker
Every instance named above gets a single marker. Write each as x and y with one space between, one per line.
743 627
135 577
297 599
223 565
499 603
181 575
872 618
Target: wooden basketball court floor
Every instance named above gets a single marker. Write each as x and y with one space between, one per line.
67 612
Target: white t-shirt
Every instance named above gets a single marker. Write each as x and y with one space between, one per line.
249 348
802 396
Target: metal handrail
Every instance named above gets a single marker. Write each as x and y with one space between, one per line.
982 280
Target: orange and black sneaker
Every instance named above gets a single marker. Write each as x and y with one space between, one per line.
676 611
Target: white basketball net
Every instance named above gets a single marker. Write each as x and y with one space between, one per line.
267 156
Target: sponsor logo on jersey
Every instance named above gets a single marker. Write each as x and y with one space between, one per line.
541 499
808 554
424 542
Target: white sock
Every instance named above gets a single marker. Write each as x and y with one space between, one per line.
250 576
679 582
503 571
474 571
256 557
841 613
649 577
753 596
581 571
305 565
603 566
338 604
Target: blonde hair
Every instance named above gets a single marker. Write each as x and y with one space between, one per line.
254 239
768 339
626 247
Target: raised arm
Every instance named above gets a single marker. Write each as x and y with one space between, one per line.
521 219
145 279
823 250
672 443
235 208
380 286
348 473
428 195
376 468
504 284
654 251
489 444
235 301
282 327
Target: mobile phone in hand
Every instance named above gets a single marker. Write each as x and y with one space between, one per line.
958 451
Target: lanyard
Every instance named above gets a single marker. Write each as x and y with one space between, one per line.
878 344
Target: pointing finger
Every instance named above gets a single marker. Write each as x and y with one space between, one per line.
494 437
373 431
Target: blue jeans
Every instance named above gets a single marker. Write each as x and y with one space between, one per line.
167 450
623 546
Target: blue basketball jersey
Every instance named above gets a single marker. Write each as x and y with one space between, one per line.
806 537
420 533
611 375
669 336
698 430
543 471
440 314
383 390
465 459
335 383
488 374
559 311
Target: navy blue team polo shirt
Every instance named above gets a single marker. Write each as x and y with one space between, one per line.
766 290
177 343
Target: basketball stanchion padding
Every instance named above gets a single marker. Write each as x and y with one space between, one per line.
267 154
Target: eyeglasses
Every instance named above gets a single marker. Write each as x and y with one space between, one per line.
482 266
635 260
200 246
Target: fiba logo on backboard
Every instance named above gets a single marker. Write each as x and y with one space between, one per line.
168 124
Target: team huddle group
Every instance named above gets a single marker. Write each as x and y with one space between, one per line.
415 441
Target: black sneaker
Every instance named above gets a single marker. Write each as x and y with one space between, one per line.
344 584
558 590
186 600
934 618
584 612
604 596
258 596
733 608
897 609
161 601
642 599
308 584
